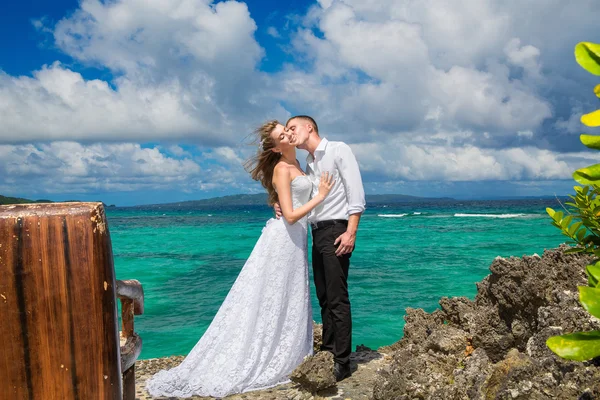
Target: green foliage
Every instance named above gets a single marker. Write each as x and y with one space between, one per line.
588 56
591 141
580 346
581 224
588 175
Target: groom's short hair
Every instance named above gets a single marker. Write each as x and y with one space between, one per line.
306 118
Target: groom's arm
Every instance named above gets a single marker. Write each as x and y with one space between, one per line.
277 209
355 195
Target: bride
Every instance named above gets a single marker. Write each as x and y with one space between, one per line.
263 329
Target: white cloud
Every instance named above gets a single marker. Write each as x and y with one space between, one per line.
179 72
399 159
272 31
71 167
523 56
66 167
462 90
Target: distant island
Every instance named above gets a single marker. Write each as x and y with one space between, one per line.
261 200
4 200
17 200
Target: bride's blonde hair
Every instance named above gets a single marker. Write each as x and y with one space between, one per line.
262 164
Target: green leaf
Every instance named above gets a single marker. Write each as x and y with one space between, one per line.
580 346
593 270
575 250
550 212
593 273
593 282
591 119
588 56
590 299
574 228
581 235
591 141
566 221
588 175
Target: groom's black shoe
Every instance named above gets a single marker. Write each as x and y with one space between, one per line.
341 371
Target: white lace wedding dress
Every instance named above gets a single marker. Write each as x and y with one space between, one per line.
263 329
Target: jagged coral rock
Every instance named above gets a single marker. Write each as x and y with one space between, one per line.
518 306
315 373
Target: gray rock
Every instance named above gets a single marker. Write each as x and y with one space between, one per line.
495 346
315 373
362 348
503 374
447 340
491 333
458 310
471 375
317 337
418 326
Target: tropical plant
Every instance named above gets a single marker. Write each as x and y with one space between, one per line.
582 226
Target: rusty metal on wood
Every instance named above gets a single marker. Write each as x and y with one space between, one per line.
132 290
130 351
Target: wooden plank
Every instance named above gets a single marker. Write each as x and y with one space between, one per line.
15 373
46 295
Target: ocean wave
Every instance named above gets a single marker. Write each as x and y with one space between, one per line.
392 215
495 215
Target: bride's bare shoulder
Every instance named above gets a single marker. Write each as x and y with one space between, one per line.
281 171
281 168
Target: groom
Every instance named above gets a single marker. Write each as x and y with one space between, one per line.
334 224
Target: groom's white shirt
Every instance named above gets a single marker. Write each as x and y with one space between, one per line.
347 195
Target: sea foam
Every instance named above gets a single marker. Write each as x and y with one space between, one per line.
491 215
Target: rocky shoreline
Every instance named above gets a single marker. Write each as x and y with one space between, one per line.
492 347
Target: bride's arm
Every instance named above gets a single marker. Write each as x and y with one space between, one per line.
283 183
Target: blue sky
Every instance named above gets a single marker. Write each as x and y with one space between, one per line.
134 102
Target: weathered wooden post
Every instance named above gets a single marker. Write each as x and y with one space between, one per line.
58 316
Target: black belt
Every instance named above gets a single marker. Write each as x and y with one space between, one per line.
329 222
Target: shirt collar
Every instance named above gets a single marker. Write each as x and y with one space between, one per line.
320 148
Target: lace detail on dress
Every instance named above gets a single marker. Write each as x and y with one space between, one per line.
263 329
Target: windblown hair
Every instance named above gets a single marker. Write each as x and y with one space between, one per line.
308 119
262 165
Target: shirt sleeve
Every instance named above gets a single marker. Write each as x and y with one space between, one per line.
350 174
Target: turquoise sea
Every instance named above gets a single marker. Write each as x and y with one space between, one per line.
407 255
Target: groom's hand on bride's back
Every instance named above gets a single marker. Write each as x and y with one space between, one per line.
277 209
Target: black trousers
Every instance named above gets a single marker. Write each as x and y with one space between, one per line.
331 281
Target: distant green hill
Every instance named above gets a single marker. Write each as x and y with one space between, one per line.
233 200
18 200
261 200
14 200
